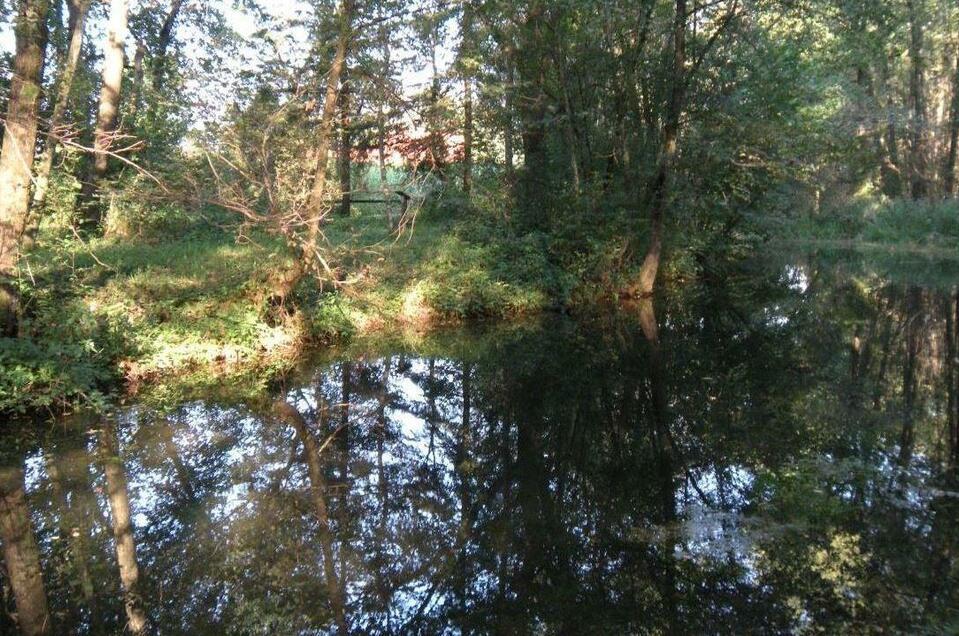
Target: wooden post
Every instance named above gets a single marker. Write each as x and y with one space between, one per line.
404 204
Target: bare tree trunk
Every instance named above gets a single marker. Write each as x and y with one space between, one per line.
123 529
17 155
949 167
109 108
315 206
917 99
346 145
660 189
77 22
21 554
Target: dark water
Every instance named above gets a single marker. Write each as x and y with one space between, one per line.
770 451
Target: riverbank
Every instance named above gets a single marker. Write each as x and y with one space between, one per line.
869 222
183 307
165 315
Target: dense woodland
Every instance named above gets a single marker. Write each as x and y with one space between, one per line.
558 151
196 196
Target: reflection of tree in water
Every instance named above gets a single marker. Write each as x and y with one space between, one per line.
747 457
20 553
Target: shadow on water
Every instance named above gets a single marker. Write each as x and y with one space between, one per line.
759 453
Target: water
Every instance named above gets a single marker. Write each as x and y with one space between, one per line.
766 452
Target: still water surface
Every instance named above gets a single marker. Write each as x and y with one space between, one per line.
770 451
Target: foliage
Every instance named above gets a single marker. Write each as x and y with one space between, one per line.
68 356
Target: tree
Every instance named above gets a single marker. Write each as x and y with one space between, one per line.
108 112
316 207
466 63
119 500
78 10
660 185
17 154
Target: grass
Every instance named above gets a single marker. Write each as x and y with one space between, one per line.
871 222
187 313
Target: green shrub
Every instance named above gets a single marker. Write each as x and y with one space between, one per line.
68 357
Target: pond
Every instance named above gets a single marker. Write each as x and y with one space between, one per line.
771 450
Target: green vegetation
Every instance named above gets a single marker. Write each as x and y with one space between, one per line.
870 222
205 225
185 312
200 199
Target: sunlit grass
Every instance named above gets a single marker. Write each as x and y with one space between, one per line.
193 311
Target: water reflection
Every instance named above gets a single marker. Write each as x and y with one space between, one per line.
757 455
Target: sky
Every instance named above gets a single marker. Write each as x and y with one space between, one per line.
292 41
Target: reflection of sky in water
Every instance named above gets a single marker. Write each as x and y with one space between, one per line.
249 470
712 524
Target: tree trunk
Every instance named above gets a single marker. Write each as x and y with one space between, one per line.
467 136
910 380
533 110
381 150
917 99
119 501
21 554
885 139
437 143
17 155
136 96
163 44
109 109
74 523
383 400
949 167
344 440
381 120
466 51
952 377
77 21
660 187
508 128
346 145
315 208
569 130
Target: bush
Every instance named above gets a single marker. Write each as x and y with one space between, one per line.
68 359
